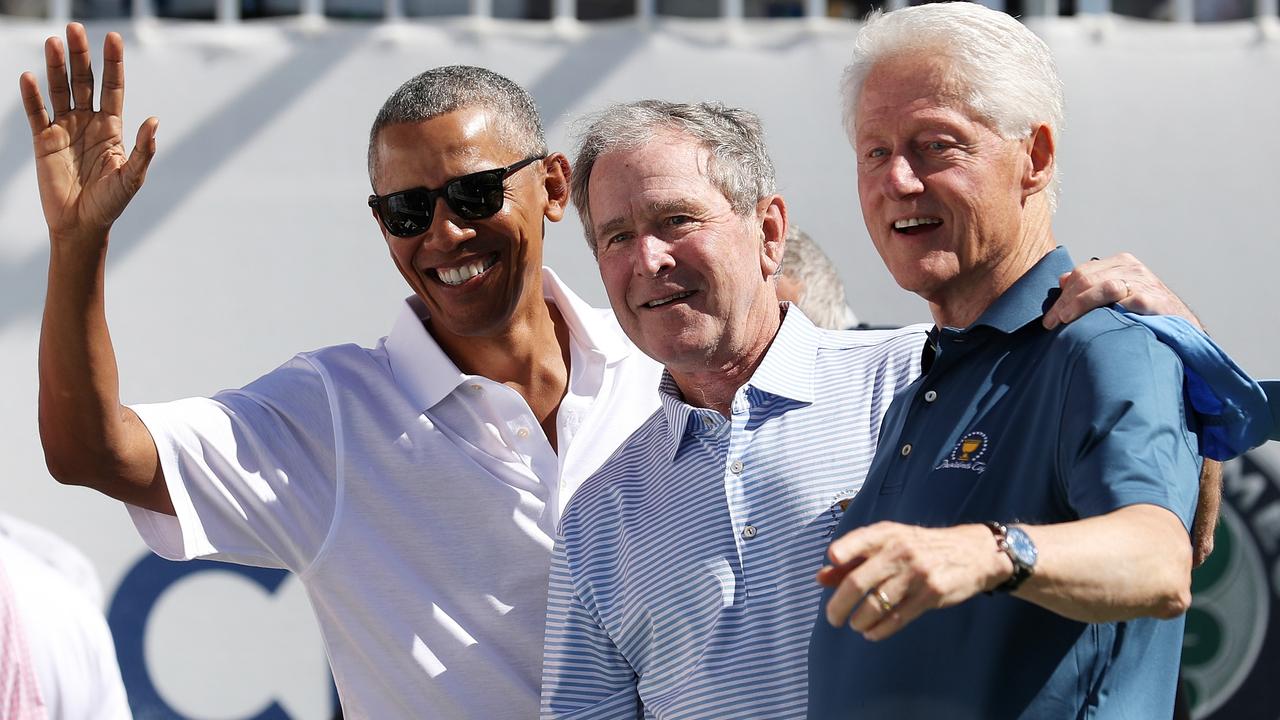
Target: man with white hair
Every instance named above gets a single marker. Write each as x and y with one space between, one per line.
1020 547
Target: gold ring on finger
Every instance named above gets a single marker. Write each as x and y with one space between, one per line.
885 603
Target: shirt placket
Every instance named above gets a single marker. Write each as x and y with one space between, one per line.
512 422
738 472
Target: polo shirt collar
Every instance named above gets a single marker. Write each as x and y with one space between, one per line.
428 375
787 367
786 371
1030 296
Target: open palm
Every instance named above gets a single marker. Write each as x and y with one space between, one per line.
85 177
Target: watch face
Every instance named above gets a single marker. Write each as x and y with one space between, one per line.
1021 549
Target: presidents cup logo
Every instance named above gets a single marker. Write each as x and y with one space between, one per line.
1231 651
967 454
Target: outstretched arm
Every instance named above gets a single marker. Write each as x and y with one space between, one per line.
86 180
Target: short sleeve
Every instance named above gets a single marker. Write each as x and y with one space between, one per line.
1124 438
251 472
584 675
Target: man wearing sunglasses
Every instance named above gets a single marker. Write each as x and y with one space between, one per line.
414 487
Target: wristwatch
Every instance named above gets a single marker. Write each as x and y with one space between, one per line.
1017 544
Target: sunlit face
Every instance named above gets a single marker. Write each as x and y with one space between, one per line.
507 247
942 194
688 279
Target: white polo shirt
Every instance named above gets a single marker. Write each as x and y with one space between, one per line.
416 503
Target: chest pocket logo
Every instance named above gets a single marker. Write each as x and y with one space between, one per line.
835 512
968 453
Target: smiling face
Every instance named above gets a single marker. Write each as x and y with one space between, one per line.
689 280
944 197
473 275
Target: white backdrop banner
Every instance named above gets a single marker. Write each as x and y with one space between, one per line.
251 240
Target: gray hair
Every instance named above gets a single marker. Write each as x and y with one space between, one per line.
822 295
1008 74
455 87
739 166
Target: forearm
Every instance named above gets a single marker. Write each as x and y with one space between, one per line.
1133 562
89 438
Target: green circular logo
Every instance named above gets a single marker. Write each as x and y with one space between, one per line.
1231 648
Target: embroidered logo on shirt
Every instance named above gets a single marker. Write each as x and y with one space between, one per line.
839 504
967 454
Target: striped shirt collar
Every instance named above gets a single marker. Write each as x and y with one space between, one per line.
786 371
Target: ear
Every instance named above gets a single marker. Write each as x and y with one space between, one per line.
557 185
1040 161
771 213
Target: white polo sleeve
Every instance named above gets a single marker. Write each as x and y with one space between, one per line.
251 472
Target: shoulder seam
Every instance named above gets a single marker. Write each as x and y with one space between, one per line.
339 479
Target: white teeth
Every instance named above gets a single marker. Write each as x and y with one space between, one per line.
463 273
665 300
912 222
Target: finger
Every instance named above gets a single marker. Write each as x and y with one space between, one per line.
874 608
112 101
81 67
37 116
1079 298
859 543
855 586
910 606
144 148
55 62
831 575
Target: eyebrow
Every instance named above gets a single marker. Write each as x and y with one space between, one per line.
658 207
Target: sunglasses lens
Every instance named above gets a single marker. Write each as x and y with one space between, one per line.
476 196
408 213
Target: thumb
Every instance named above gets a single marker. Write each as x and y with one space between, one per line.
144 148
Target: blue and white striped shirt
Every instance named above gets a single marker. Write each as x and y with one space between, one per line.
683 579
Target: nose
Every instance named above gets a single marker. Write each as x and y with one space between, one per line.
447 230
901 180
652 256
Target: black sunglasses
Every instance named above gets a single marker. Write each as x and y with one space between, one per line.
479 195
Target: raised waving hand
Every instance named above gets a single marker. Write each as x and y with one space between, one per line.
86 179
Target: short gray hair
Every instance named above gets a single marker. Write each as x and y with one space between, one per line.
455 87
1008 74
739 166
822 299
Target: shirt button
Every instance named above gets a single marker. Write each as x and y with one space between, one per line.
522 433
930 396
477 387
749 532
735 467
906 450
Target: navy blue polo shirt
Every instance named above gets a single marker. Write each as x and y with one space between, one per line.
1016 423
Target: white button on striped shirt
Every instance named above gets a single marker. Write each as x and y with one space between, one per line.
695 546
